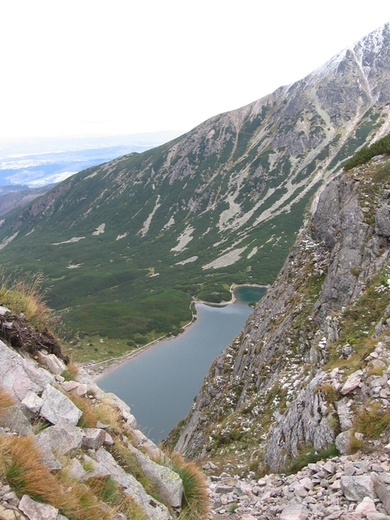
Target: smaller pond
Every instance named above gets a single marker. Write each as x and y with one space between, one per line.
161 383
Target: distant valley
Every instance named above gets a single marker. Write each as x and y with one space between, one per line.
125 246
39 162
29 168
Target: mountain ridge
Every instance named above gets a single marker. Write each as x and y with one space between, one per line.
219 205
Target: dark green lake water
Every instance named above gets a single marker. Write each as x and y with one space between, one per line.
160 384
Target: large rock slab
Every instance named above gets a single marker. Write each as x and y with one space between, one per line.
76 388
14 419
36 511
353 381
51 362
61 438
58 408
294 512
356 488
18 375
153 509
168 482
382 221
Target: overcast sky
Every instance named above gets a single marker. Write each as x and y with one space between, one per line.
84 67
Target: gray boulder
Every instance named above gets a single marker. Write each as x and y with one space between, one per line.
61 438
168 482
36 511
153 509
355 488
14 419
57 407
32 403
18 375
382 489
93 438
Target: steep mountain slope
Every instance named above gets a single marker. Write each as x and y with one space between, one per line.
15 199
311 368
140 235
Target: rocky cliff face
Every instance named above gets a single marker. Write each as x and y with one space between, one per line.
69 450
310 370
218 205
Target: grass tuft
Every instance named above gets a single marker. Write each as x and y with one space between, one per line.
106 413
21 466
26 297
88 419
196 504
372 421
71 371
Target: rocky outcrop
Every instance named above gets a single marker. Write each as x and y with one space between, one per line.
82 435
347 487
312 365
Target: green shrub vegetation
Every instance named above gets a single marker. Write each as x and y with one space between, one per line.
382 146
310 455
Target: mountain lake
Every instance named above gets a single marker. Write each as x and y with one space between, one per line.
160 383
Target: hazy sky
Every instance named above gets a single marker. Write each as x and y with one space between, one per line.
77 67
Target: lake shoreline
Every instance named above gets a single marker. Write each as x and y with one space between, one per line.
102 368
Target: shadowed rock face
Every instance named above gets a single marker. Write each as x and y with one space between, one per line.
225 200
16 330
285 382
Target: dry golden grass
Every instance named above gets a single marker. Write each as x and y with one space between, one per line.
83 501
131 509
5 399
79 502
22 467
26 297
102 411
71 371
106 413
372 421
196 503
88 419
